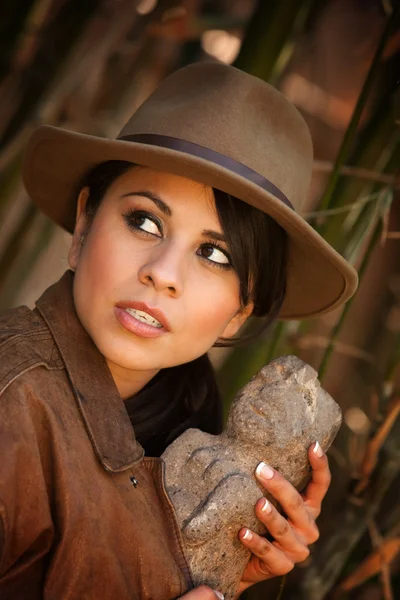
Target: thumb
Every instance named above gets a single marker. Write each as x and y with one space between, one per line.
203 592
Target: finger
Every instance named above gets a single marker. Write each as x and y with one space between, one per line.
289 498
203 592
320 479
281 530
271 560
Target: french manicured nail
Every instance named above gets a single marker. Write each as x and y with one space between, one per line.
266 507
218 594
248 535
264 471
318 450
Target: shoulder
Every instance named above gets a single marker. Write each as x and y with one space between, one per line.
27 355
31 379
25 344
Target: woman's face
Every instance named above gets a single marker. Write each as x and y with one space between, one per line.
153 285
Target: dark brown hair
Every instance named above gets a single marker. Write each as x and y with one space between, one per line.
187 395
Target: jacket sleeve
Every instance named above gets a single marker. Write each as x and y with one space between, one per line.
26 529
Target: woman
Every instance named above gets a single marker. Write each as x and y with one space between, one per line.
182 228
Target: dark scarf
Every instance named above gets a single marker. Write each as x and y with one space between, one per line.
175 400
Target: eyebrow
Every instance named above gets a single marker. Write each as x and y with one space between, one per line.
151 196
214 235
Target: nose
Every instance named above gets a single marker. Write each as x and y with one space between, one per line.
164 270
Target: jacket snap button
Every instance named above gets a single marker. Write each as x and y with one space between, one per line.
134 481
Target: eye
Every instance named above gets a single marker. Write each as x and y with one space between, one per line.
143 221
214 254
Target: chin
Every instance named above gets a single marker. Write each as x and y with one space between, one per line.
130 356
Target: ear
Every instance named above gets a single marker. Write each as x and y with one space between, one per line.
237 321
81 228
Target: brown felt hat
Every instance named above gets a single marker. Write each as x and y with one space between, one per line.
222 127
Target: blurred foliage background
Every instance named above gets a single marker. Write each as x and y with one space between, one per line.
86 66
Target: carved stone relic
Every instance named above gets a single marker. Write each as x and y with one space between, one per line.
210 478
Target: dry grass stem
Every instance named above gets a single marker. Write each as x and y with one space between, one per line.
393 235
376 443
319 341
378 560
358 172
378 543
343 209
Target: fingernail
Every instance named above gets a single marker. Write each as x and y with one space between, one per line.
218 594
318 450
264 471
266 506
248 535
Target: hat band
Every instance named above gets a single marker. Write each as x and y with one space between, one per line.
165 141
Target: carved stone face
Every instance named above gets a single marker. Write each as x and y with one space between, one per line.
275 398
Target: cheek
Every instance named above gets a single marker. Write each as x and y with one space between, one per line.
213 305
104 260
97 274
206 318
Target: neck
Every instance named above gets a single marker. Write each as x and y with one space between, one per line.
129 382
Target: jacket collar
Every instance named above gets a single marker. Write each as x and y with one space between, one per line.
96 394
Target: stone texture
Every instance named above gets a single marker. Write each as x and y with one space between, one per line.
210 479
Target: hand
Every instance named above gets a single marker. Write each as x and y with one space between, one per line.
293 534
203 593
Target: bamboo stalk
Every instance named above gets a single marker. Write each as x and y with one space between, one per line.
12 19
31 239
268 34
351 131
375 150
58 38
9 181
8 257
337 328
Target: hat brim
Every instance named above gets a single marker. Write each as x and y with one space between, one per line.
319 279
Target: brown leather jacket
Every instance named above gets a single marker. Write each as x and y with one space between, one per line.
83 515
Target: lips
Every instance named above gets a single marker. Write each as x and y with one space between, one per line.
156 313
